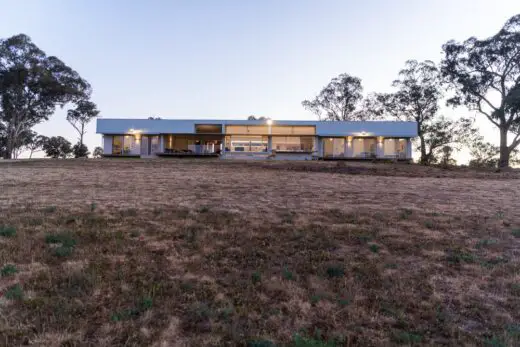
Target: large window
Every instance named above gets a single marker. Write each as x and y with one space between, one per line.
334 147
247 129
293 143
274 129
364 147
246 143
122 144
293 130
208 128
394 147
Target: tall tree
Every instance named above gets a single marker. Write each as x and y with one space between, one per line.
417 98
57 147
485 75
338 100
84 112
32 84
36 143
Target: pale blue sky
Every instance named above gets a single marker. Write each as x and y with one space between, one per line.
234 58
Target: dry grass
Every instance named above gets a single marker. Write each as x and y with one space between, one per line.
204 253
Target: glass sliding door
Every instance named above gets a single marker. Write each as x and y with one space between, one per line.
334 147
246 143
117 145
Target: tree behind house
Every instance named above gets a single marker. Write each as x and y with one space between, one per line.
339 100
417 98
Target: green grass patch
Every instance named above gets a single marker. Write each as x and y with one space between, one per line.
63 251
63 238
142 306
457 256
50 209
14 292
343 302
374 248
288 275
335 271
8 270
260 343
405 213
315 299
407 337
256 277
7 231
485 243
318 341
429 224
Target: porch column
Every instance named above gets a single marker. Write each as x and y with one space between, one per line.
349 152
161 143
269 144
408 149
379 149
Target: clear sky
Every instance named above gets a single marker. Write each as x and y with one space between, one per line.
234 58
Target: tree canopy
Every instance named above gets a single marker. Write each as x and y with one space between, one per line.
80 116
485 77
32 84
339 100
57 147
417 98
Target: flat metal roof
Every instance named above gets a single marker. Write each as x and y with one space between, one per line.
323 128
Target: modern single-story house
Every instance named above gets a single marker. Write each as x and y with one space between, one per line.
259 139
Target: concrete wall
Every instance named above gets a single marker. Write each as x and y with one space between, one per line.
107 144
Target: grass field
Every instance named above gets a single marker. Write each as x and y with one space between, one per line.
207 253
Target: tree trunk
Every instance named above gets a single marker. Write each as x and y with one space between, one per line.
82 132
503 162
424 156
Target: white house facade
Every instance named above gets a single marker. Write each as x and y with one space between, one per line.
257 139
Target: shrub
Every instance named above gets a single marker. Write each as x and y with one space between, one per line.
8 270
6 231
515 232
80 151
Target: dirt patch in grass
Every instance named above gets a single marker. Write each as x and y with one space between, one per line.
181 252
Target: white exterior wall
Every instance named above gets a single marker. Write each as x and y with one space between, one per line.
107 144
